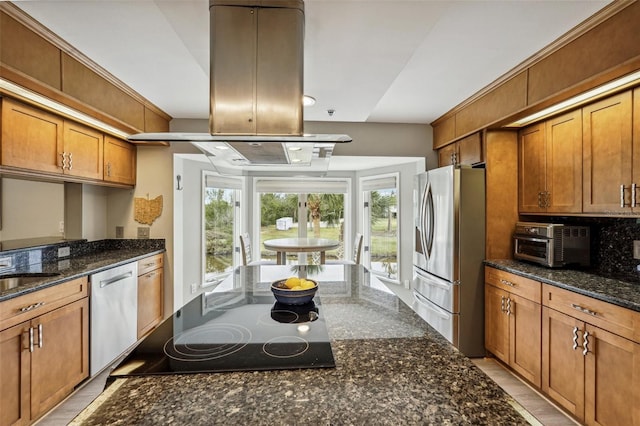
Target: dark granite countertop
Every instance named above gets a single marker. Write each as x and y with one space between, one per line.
391 368
86 258
616 291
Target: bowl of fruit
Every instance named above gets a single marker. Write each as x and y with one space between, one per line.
294 290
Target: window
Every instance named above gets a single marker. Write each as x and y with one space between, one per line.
221 219
380 219
288 209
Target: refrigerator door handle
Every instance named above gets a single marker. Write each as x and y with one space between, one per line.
424 301
427 221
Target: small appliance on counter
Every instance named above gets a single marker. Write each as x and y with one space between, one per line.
551 244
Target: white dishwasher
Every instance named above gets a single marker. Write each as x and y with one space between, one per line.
114 314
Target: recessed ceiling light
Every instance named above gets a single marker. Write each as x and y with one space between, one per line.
308 100
294 148
221 147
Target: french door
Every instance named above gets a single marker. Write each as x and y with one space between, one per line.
221 226
288 208
380 225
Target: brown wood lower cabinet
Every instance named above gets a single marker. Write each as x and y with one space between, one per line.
42 361
512 322
590 371
150 293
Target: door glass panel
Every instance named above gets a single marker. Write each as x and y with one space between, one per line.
383 232
219 232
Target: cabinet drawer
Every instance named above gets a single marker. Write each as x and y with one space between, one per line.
24 308
150 263
615 319
515 284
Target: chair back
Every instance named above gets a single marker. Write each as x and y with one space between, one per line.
357 248
245 248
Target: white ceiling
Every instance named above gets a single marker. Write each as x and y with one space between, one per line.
370 60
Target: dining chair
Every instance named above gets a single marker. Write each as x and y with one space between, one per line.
245 249
357 252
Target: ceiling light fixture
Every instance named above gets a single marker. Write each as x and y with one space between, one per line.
308 100
591 95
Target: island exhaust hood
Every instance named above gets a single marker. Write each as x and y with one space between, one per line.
256 92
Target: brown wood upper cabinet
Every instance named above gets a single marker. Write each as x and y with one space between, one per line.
466 151
119 161
38 143
37 140
611 169
550 165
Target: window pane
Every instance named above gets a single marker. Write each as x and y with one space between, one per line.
218 223
326 220
278 219
384 232
324 216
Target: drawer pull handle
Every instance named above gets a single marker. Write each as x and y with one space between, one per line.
584 310
509 283
31 307
585 343
152 274
146 265
575 338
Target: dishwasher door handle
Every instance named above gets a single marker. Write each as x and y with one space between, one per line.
115 279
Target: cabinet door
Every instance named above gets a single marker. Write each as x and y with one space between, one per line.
525 337
119 161
446 155
612 374
496 322
60 359
470 149
31 138
84 149
150 299
531 170
15 375
562 365
607 154
564 163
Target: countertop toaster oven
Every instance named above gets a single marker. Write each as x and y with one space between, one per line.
551 244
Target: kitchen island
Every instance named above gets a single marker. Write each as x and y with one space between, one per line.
390 368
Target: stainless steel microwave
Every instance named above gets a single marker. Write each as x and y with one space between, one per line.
552 245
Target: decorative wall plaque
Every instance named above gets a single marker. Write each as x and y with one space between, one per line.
146 211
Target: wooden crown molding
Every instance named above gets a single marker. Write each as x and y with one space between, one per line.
25 19
585 26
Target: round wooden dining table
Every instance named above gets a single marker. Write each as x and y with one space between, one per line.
282 246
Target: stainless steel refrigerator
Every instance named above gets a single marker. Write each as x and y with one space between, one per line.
448 277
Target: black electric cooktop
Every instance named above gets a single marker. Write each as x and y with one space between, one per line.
239 326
